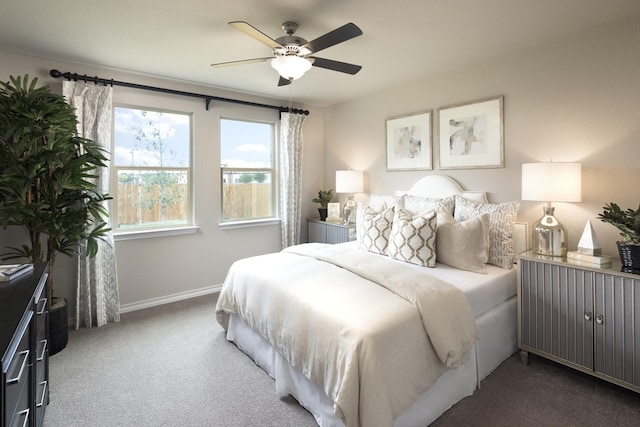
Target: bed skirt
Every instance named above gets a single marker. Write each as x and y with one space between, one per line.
497 331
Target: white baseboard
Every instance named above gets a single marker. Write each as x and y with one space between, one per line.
153 302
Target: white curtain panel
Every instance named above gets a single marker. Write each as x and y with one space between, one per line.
97 295
290 177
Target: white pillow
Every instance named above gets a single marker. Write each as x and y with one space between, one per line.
413 239
417 205
380 203
374 228
502 216
463 245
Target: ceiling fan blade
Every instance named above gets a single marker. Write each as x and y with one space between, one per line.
251 31
330 64
283 82
241 62
339 35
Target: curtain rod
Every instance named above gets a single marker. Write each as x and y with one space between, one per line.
207 98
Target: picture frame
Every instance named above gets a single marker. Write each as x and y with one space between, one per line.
409 142
471 135
333 211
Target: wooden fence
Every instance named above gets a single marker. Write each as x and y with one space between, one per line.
246 201
240 201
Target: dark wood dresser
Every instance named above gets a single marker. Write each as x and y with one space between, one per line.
24 335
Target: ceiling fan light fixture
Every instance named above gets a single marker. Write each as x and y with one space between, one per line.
291 67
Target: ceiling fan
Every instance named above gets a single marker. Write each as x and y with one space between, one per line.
293 55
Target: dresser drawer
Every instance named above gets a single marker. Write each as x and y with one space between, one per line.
17 383
20 419
42 398
41 314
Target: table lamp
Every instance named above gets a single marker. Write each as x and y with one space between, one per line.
349 182
551 182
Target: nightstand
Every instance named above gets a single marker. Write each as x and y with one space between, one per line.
329 232
580 315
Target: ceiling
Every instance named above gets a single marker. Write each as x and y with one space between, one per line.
403 40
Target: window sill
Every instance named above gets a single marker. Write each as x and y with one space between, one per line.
146 234
252 223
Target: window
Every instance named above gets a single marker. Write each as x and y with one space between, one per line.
152 163
247 169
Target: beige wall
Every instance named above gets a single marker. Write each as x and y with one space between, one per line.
161 267
572 99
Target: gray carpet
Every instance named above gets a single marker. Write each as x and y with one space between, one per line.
172 366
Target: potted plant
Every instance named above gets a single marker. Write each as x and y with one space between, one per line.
628 222
323 198
47 184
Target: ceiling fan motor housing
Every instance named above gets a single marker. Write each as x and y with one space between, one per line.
292 46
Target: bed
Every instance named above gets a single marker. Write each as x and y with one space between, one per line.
363 338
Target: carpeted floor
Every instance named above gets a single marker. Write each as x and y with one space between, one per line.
172 366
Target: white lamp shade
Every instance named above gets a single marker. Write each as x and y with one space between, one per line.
349 181
291 67
552 182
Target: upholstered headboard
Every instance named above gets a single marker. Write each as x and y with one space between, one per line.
441 186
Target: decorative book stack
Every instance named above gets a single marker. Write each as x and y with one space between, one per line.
11 271
589 251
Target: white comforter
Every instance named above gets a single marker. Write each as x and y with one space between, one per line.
373 333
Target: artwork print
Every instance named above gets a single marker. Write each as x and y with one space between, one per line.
409 142
468 135
333 211
471 135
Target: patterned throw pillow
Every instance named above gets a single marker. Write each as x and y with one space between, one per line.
413 239
463 245
417 205
502 216
374 229
378 204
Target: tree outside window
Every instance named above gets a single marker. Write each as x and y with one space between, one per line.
153 166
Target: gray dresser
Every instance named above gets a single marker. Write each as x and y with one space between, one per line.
582 316
329 232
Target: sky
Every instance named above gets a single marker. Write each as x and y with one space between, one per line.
245 144
172 132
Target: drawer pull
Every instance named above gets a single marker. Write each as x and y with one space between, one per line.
44 394
588 316
599 319
42 306
40 357
25 419
25 357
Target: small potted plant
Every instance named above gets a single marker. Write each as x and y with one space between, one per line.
323 198
628 222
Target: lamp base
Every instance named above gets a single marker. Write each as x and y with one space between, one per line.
349 211
549 236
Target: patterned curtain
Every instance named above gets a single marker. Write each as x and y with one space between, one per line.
290 177
97 296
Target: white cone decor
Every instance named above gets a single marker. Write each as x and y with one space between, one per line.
589 244
589 251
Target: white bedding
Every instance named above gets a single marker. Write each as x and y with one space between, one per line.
483 291
400 377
